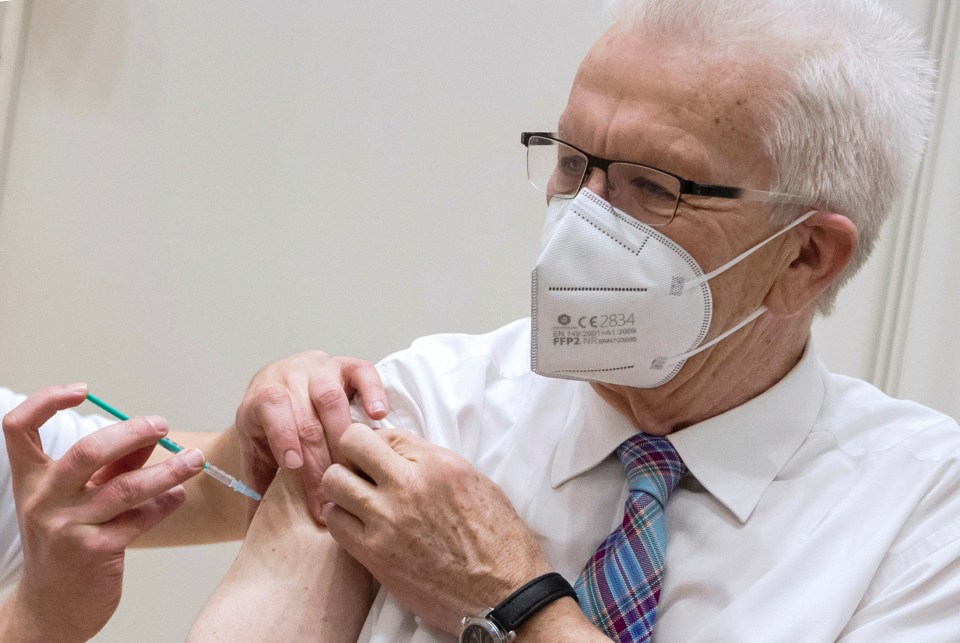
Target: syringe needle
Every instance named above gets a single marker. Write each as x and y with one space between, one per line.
222 476
217 474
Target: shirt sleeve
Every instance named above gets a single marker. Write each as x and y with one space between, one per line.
402 385
57 436
429 397
920 603
450 388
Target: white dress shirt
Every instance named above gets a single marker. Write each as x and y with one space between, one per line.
57 436
820 510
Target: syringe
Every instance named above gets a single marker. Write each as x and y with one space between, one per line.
214 472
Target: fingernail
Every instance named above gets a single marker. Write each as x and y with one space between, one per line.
194 457
316 511
325 510
378 407
156 422
292 460
77 387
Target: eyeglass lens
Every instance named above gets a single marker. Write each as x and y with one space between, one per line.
644 193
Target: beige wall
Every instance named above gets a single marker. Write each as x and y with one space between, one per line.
197 187
896 324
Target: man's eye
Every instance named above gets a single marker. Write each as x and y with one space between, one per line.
571 164
648 189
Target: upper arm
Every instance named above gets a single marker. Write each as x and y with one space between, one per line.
920 602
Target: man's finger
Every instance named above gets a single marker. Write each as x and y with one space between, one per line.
22 424
363 448
130 489
403 443
345 528
273 411
100 448
363 377
311 476
332 407
349 491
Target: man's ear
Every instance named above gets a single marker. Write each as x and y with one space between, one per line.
821 248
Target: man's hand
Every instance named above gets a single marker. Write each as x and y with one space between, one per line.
295 411
78 514
438 534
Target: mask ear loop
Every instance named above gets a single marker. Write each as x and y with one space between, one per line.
743 255
660 362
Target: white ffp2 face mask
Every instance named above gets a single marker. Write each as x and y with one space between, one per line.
616 301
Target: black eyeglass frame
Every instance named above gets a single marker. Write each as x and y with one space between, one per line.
686 185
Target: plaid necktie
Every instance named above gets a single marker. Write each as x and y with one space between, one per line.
620 586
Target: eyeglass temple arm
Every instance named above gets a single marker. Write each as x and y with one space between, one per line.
744 194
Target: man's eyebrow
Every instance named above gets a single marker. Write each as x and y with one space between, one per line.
699 169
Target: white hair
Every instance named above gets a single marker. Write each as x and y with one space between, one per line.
848 127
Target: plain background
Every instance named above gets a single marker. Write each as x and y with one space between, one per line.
194 188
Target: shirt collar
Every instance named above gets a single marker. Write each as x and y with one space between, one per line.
593 431
734 455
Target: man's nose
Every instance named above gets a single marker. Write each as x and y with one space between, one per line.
597 182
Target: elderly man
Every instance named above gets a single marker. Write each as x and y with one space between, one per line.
720 170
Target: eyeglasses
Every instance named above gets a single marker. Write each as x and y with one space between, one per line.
651 196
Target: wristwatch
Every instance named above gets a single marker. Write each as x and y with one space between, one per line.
499 624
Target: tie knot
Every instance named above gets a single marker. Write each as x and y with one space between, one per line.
651 464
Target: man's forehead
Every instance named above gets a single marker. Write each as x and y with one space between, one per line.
724 75
666 103
641 140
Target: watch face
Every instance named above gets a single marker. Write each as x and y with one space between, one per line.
476 634
480 630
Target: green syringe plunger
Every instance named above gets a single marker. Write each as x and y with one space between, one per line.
214 472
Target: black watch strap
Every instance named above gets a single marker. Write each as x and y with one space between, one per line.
529 599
